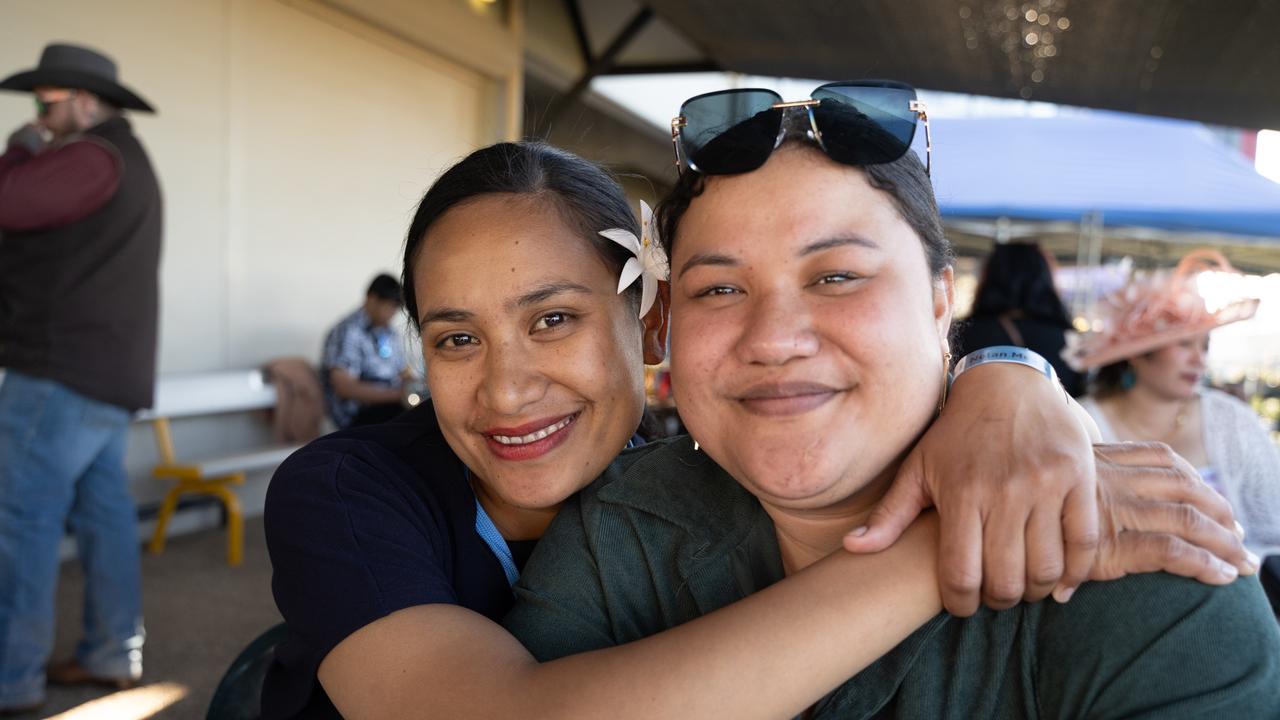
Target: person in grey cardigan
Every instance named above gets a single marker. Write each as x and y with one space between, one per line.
1149 355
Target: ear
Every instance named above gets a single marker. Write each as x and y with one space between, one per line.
655 325
944 298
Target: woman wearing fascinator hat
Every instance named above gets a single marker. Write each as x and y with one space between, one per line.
1149 355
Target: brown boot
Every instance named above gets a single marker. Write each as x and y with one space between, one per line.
70 672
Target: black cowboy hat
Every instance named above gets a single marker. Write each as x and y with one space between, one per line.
79 68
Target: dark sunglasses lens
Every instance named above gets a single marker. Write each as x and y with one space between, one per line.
730 132
41 107
865 125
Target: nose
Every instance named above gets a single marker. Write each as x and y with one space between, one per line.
778 329
1198 352
512 380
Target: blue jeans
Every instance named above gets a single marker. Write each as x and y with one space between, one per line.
62 465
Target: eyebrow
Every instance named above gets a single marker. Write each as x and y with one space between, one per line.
546 291
445 314
539 294
707 259
840 241
815 247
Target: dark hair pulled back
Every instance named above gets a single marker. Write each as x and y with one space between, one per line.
587 196
904 179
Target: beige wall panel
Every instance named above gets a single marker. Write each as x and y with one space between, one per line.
174 55
291 145
473 33
336 132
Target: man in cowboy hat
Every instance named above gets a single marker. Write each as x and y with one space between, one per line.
80 223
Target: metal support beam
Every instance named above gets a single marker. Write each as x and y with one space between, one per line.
600 66
656 68
580 32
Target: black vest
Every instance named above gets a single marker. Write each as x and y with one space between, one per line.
78 303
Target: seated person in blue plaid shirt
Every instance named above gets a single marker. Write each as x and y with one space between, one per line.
363 363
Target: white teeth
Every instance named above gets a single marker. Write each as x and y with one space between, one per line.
533 436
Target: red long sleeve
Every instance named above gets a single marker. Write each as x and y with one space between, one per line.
56 187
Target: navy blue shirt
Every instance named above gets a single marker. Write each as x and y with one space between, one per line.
360 524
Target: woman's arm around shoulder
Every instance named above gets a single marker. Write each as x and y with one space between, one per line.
767 656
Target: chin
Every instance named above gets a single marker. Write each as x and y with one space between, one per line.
791 480
537 491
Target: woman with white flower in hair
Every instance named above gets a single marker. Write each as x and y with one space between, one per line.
394 547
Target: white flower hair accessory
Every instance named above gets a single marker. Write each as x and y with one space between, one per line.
650 261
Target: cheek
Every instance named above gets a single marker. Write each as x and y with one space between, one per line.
701 345
604 365
452 386
888 326
1166 363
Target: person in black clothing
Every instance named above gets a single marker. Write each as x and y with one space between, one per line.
1017 304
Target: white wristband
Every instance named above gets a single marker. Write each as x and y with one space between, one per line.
1006 354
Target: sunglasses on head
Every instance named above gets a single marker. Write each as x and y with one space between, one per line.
859 122
46 99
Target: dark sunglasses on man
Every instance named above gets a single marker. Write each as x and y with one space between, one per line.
45 99
858 122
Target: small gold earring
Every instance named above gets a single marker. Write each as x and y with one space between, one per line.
946 380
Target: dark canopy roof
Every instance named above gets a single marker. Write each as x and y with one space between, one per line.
1209 60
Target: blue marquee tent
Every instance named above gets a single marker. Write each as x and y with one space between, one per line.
1133 170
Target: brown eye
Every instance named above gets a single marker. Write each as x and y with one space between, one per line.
457 340
551 320
717 290
834 278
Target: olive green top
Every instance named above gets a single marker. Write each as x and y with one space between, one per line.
665 536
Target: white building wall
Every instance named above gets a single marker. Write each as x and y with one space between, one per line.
292 143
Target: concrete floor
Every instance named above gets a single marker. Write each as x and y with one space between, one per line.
199 614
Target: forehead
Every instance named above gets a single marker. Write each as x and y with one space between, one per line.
798 197
51 92
500 245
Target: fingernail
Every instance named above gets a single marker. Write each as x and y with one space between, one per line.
858 531
1228 570
1239 530
1253 560
1062 594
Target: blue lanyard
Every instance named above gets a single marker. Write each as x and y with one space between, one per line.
498 544
489 533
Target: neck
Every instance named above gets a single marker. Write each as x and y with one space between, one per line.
1152 416
805 536
514 523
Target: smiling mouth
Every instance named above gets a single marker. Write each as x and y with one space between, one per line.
536 435
780 399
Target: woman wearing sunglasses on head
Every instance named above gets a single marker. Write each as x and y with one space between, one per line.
394 546
810 308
